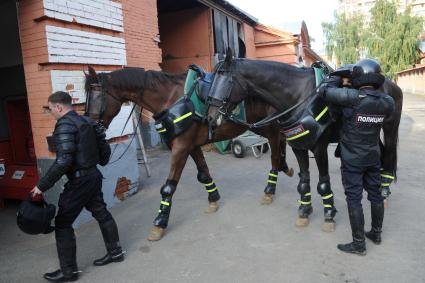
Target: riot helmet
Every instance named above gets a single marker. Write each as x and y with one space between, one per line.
367 72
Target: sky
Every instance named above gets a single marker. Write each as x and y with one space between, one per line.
276 12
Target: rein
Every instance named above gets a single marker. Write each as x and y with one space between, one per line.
267 120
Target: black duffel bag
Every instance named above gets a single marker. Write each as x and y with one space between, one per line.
35 217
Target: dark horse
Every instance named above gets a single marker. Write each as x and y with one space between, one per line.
288 88
157 91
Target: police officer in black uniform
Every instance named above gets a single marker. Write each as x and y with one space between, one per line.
80 146
363 110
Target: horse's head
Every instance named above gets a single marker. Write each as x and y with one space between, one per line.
227 90
103 102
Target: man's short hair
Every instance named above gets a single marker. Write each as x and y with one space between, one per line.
61 97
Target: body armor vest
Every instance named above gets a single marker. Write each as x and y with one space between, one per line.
87 153
361 128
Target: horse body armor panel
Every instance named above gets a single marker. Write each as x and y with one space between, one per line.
175 120
309 126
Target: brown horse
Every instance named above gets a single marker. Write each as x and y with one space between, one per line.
157 91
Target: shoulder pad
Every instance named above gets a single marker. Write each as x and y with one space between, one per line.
65 126
65 136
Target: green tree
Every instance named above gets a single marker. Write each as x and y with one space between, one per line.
343 38
391 38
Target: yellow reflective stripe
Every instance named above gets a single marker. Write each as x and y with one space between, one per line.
385 184
165 203
271 182
161 131
308 194
321 114
387 176
298 136
209 184
327 205
328 196
273 175
212 190
182 117
304 202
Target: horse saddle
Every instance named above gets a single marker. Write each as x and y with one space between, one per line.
304 132
203 86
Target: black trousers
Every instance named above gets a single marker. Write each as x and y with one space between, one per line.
356 178
82 192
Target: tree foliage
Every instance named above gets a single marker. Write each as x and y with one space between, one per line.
391 38
342 38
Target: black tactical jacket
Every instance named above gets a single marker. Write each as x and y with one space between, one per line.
362 113
80 144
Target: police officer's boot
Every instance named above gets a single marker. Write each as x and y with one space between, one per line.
377 211
67 249
358 246
110 236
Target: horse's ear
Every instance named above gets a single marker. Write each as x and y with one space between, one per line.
229 55
92 72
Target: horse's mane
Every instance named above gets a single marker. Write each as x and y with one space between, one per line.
134 79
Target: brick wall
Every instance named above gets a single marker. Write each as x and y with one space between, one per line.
125 29
141 33
34 51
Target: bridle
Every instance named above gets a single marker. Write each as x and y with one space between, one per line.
98 93
223 103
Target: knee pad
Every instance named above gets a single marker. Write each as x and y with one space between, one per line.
168 188
324 186
304 183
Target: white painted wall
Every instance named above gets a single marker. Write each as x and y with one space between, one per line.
98 13
74 46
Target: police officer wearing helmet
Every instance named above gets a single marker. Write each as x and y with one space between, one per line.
363 110
80 146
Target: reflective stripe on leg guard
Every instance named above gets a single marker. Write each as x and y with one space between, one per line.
271 182
212 190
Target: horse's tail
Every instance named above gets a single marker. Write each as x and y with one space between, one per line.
391 126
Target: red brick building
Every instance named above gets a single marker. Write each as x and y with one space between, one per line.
50 42
47 46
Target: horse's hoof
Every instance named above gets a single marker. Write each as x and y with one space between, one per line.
302 222
290 172
156 234
267 199
385 203
212 207
329 226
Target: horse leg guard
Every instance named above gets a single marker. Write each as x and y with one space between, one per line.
167 192
270 189
324 189
305 208
211 188
386 180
